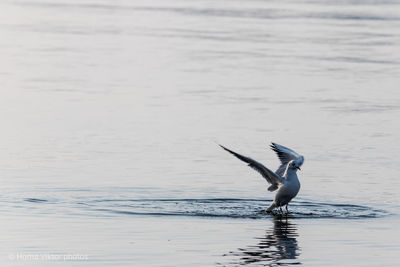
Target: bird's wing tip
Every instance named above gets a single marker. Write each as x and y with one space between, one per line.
226 149
274 146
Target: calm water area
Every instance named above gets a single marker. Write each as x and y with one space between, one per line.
112 112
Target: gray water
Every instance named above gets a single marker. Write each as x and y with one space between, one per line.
111 112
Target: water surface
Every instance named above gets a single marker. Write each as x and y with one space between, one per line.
111 111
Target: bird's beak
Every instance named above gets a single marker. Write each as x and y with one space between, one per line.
298 168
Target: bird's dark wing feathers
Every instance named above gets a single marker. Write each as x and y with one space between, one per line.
269 175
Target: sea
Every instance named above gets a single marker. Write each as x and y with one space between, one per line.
112 112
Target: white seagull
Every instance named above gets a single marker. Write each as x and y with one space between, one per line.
284 179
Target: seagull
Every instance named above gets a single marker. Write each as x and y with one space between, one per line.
285 178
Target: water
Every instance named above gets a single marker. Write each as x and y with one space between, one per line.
111 111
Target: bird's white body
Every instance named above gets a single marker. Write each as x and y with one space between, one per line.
286 191
284 180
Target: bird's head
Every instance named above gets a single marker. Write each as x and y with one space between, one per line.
294 165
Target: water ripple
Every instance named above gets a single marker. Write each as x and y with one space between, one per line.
229 208
35 200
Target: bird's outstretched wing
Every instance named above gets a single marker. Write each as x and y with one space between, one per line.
286 155
269 175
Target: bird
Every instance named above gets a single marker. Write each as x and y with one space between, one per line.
284 179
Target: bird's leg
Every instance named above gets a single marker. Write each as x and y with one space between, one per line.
287 211
280 207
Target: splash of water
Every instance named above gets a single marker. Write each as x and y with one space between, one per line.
229 208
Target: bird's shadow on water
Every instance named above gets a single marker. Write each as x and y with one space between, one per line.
278 246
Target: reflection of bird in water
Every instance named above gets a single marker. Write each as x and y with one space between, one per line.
278 247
